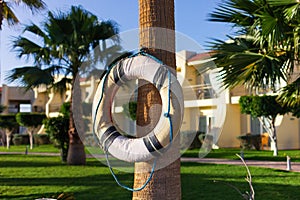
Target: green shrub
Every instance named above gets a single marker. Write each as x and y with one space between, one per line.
248 141
30 119
17 139
57 129
130 109
8 121
41 139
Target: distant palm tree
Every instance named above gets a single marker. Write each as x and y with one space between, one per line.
7 13
62 47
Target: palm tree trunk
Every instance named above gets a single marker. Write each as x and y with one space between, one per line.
76 153
157 38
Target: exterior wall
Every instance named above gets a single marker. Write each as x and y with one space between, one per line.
40 102
195 107
288 133
12 97
190 119
191 75
231 128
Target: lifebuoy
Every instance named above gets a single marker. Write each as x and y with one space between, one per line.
145 148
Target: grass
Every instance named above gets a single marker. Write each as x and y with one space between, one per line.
248 154
45 148
29 177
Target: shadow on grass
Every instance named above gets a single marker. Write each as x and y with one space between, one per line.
30 196
85 187
198 182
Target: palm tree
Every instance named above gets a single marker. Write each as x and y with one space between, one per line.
65 45
262 53
273 27
7 13
165 183
266 48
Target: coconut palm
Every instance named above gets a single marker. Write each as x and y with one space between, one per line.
165 183
60 49
7 13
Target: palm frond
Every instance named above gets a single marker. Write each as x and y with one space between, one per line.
62 85
9 15
237 12
241 61
36 30
290 94
33 5
30 76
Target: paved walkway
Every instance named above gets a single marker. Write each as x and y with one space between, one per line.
295 166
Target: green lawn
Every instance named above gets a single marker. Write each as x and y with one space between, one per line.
45 148
228 153
30 177
248 154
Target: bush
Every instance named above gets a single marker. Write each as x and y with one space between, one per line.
17 139
41 139
57 128
248 141
30 119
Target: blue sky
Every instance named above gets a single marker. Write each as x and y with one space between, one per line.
190 20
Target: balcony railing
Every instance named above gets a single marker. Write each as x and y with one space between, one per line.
198 92
194 92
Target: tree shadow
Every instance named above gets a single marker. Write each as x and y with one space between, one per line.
269 184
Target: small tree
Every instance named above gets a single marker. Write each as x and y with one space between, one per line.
266 109
57 128
9 124
32 121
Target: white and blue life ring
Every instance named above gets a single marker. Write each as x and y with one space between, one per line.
147 147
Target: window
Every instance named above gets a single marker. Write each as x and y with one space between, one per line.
25 108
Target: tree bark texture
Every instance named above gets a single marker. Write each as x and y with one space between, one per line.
76 153
157 37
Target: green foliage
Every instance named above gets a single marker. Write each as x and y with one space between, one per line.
266 48
63 47
30 119
65 109
8 121
2 108
290 96
262 106
57 129
7 9
130 109
241 61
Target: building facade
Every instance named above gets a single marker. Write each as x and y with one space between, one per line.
208 108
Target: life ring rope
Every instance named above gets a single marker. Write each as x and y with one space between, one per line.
151 142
